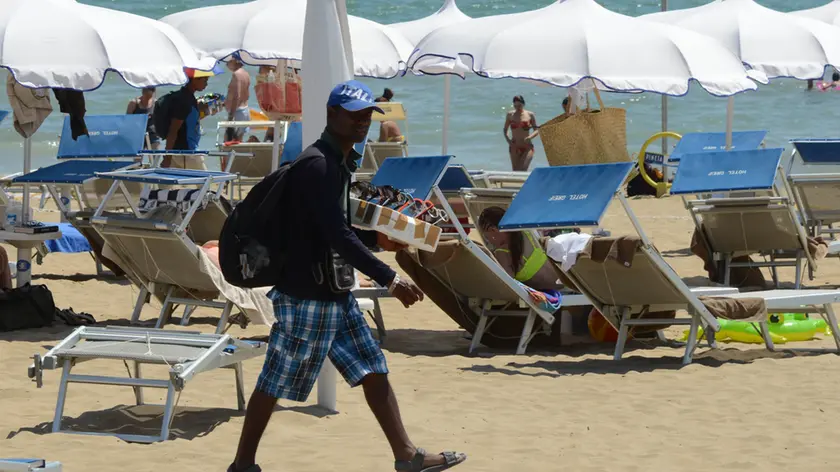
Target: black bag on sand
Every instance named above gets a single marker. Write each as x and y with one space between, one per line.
30 306
251 250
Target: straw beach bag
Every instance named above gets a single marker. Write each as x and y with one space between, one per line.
586 137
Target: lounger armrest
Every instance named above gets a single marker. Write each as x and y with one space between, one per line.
815 178
744 201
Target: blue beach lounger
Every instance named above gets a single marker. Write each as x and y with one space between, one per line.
469 272
768 224
638 280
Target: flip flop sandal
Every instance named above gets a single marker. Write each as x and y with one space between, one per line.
451 459
253 468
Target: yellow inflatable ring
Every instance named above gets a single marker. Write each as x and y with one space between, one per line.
661 187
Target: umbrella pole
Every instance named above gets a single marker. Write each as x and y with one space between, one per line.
730 116
664 104
27 164
664 123
447 87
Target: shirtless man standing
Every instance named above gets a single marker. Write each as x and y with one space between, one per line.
236 102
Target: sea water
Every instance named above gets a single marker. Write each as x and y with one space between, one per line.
478 105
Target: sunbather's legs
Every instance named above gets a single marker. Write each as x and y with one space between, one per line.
383 403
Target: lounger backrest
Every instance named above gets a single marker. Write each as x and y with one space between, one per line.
157 255
693 143
108 136
258 165
382 151
612 283
750 227
467 275
820 199
206 224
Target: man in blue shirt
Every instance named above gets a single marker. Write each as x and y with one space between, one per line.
315 320
184 126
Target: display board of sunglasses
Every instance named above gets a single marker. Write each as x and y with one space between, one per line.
390 197
396 215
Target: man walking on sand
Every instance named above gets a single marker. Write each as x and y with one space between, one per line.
314 320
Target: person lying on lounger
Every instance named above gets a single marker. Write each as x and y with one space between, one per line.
519 253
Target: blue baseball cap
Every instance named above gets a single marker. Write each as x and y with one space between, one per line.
352 96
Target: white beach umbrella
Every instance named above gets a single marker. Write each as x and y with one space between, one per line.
416 30
571 40
274 29
775 43
828 13
327 62
64 44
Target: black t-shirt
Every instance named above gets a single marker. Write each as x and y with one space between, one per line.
184 107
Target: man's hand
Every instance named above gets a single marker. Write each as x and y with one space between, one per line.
405 291
387 244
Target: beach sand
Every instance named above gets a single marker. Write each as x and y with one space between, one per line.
738 408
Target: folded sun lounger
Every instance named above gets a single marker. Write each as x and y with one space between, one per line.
623 276
187 354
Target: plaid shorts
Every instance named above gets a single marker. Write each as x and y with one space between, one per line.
305 334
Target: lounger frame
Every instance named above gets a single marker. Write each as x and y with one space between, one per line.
204 352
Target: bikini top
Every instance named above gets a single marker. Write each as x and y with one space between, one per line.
522 124
532 263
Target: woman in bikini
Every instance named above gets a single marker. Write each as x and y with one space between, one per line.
519 253
520 122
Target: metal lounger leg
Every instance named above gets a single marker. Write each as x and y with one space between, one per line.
774 271
527 331
623 331
727 263
168 412
62 395
691 342
138 307
710 337
240 386
164 310
765 334
138 391
223 319
378 320
798 270
479 330
832 324
188 311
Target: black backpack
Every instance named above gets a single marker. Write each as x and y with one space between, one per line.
162 115
251 247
